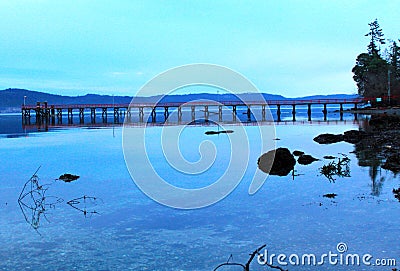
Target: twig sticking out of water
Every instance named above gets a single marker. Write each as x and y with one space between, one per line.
246 267
34 202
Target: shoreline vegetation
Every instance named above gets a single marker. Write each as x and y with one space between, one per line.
377 71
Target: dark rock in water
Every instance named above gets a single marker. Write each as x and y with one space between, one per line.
298 153
306 159
219 132
330 195
328 138
353 136
392 163
396 193
68 177
329 157
277 162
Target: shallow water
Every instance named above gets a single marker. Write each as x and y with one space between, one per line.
130 231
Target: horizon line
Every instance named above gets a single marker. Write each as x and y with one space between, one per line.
181 94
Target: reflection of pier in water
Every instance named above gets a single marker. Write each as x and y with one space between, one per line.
49 126
180 112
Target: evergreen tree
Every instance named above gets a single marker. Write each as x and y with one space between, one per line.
370 74
375 32
371 70
394 61
360 71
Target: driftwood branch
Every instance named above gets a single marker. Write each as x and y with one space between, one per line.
33 201
246 267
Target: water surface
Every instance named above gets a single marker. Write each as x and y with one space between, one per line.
125 230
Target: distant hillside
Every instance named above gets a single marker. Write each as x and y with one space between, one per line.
331 96
12 99
15 98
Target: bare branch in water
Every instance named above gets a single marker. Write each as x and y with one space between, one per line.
246 267
33 201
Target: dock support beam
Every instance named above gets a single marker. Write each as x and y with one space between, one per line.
341 112
309 112
59 115
70 116
179 114
153 114
325 111
206 113
93 114
294 112
278 112
263 112
81 115
53 115
193 109
141 114
104 114
355 113
234 113
166 113
116 112
248 113
220 113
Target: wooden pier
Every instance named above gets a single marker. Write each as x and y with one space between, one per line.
45 113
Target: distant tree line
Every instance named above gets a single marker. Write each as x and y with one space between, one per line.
378 70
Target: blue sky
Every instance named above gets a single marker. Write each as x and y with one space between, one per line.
292 48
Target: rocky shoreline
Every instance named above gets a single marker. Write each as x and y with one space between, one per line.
378 142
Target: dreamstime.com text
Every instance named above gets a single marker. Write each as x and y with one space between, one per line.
338 257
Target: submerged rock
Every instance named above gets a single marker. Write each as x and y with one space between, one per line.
68 177
277 162
306 159
351 136
330 195
328 138
219 132
298 153
211 133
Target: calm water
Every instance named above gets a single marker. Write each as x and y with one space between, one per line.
125 230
